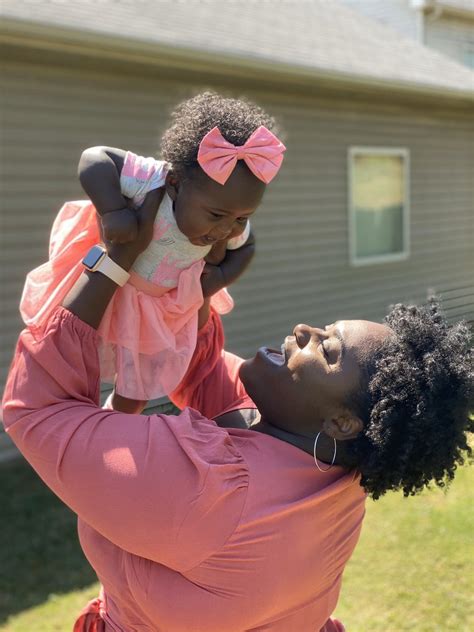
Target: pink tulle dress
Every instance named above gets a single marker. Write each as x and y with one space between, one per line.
148 332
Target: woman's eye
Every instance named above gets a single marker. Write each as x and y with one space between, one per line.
216 215
326 351
242 220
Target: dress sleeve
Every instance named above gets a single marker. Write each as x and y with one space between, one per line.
211 384
168 488
141 175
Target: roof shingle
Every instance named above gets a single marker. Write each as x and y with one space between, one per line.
314 35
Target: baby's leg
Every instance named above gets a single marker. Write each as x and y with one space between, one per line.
126 405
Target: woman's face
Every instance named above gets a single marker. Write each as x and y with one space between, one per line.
314 375
207 211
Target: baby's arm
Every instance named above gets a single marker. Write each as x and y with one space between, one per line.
235 262
99 173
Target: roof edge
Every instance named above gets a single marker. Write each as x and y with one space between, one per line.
453 10
50 37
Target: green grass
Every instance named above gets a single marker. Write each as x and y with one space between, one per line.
42 568
413 567
411 571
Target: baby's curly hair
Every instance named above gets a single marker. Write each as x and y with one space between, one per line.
192 119
418 403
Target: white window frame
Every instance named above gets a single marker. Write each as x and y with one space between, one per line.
388 258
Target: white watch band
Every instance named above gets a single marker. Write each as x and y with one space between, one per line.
97 260
111 269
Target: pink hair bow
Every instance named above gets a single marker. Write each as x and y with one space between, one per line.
262 152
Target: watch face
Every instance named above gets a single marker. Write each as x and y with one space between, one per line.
94 255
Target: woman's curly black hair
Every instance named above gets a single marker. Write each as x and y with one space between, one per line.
419 398
236 119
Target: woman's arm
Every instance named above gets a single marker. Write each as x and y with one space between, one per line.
167 489
137 480
92 293
211 384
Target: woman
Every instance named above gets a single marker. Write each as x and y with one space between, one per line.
245 522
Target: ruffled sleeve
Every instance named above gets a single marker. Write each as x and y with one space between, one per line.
168 488
141 175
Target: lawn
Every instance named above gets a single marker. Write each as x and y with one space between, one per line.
412 569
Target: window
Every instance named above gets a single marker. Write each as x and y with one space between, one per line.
378 205
469 55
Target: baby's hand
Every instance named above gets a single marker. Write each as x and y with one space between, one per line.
119 227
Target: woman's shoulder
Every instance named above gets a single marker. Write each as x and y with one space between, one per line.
205 442
241 414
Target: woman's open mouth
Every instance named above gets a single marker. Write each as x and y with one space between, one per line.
275 357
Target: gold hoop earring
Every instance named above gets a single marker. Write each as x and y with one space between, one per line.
325 469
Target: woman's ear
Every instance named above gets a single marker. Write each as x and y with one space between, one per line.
343 426
172 185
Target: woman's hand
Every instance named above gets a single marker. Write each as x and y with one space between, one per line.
120 226
124 254
93 291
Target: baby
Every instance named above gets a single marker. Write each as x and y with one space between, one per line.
219 155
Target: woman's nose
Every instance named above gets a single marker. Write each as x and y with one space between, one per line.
304 333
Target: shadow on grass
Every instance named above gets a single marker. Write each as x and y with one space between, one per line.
40 553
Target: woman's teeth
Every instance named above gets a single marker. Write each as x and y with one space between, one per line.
275 357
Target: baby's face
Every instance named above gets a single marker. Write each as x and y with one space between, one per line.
207 211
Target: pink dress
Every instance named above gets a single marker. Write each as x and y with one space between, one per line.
148 333
190 527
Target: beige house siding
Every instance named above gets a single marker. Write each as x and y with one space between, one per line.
315 282
447 27
301 272
451 36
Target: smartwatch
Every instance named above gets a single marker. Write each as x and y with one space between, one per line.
97 260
